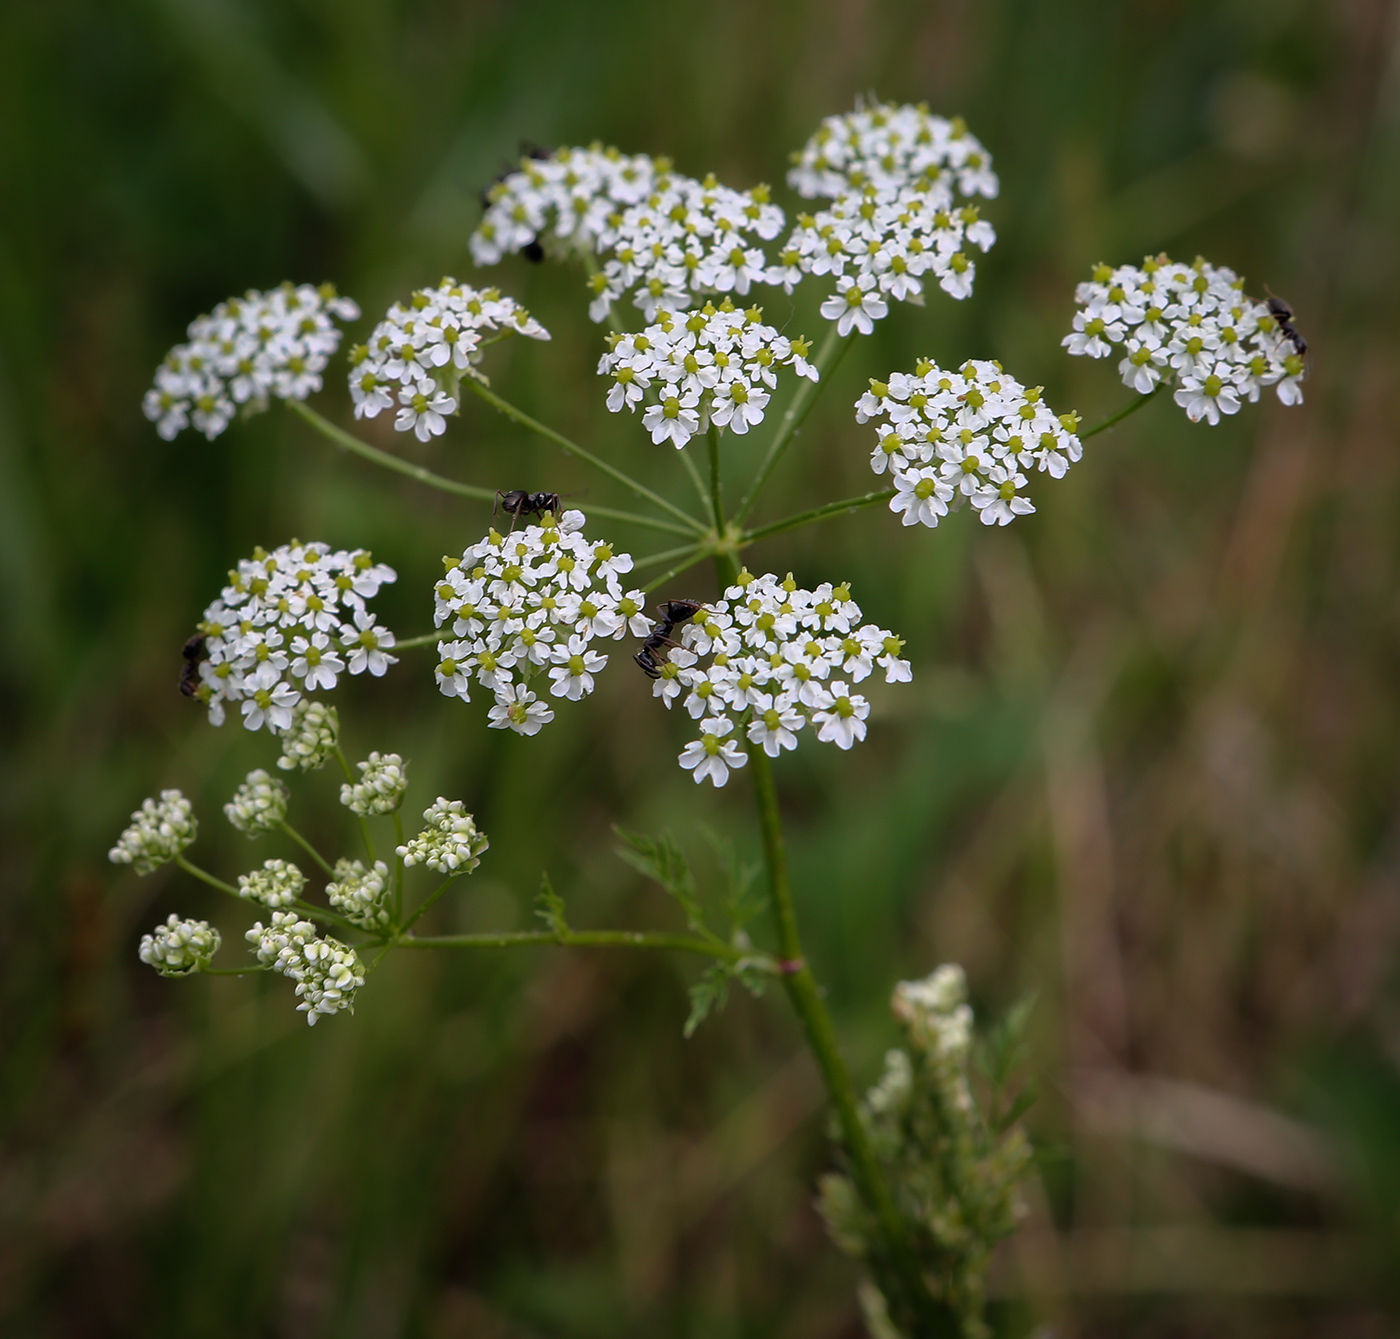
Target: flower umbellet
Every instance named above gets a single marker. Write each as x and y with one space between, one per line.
890 211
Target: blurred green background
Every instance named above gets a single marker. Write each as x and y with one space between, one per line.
1147 770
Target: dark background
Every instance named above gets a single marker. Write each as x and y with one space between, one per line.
1147 769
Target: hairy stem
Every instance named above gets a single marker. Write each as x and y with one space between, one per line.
1121 414
535 426
832 350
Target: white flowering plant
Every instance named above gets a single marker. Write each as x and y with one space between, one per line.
530 614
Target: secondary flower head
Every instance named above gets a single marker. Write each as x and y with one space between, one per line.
449 842
383 780
969 436
159 831
180 947
1188 326
259 805
361 894
562 199
277 884
527 607
291 622
717 364
416 356
312 736
767 661
327 972
248 348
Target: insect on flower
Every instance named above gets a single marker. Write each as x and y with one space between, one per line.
193 652
657 647
1283 314
517 502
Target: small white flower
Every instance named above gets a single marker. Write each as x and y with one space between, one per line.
856 305
259 805
380 789
518 709
842 721
180 947
277 884
449 842
711 756
361 894
159 831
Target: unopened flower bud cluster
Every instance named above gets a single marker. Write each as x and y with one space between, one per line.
527 605
290 622
563 200
778 659
277 884
715 365
415 357
259 805
361 894
383 780
159 831
310 739
1190 326
449 842
327 972
262 344
180 947
972 435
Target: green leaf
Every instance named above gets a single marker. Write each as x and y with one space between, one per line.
662 861
549 907
708 993
742 899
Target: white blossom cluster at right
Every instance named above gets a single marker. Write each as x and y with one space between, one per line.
1190 326
971 435
780 659
527 606
262 344
290 622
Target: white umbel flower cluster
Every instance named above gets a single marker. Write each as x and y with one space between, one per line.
312 736
885 146
529 604
417 355
159 831
938 1017
262 344
1190 326
901 182
563 200
971 435
383 780
686 237
277 884
180 947
361 894
327 972
716 365
449 843
259 805
290 622
780 658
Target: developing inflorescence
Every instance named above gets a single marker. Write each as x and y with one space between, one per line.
527 604
290 622
971 434
716 365
416 356
327 972
180 947
563 199
311 738
277 884
361 894
383 780
159 831
259 805
780 659
450 841
1188 325
262 344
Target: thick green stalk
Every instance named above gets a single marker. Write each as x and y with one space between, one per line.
349 442
1121 414
832 350
534 425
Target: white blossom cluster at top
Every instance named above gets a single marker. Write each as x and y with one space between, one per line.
970 434
290 622
247 349
416 355
527 604
768 660
716 365
1187 325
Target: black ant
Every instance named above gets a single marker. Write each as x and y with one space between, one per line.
1283 314
193 652
656 649
532 250
518 502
